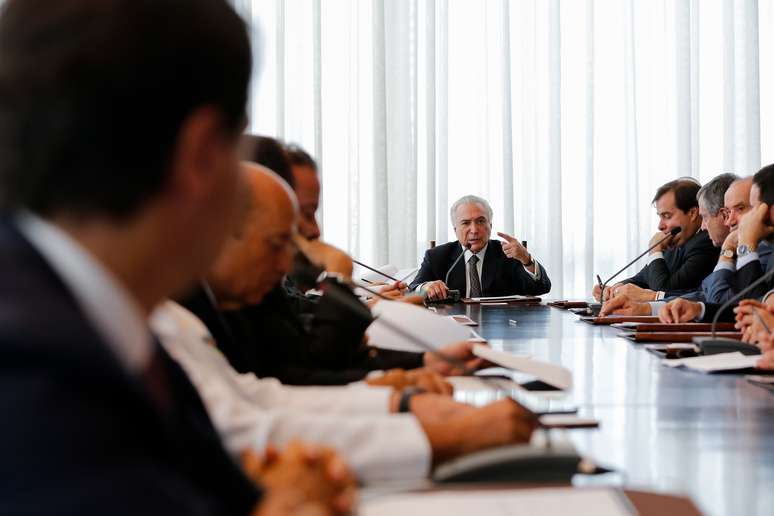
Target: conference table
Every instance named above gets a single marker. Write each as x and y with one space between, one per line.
664 430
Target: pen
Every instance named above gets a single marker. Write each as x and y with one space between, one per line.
760 320
601 289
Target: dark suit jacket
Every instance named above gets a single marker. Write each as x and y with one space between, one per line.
723 284
683 268
500 275
80 435
745 277
270 340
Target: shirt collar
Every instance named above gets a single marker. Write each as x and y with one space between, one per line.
105 302
469 254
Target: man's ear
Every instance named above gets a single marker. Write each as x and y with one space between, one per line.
198 154
693 213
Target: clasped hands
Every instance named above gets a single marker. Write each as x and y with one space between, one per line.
302 480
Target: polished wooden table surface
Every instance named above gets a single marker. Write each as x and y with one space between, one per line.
709 437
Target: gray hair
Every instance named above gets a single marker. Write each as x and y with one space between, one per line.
470 199
711 195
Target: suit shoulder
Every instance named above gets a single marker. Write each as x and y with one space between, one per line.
442 250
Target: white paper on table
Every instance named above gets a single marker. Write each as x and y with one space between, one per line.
375 277
424 325
513 502
514 297
552 374
406 275
713 363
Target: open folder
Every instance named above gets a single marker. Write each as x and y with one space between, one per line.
566 305
612 319
686 336
674 328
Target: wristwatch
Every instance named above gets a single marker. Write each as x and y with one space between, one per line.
728 253
404 405
743 250
531 262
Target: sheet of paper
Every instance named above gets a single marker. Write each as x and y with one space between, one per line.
424 325
372 276
501 298
713 363
555 375
406 275
516 502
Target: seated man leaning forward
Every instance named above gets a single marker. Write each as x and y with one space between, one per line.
489 268
681 262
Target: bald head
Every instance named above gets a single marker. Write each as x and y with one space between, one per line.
737 201
270 197
256 259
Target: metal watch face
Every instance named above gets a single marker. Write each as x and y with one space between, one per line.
742 250
728 253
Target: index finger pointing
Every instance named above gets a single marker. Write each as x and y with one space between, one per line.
507 237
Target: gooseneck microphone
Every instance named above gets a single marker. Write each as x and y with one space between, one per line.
453 296
671 234
713 345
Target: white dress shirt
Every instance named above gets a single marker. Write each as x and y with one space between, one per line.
105 302
253 412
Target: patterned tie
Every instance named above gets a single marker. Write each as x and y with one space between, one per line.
475 282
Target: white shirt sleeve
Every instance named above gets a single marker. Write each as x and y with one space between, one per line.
655 256
655 307
534 275
253 412
744 260
724 265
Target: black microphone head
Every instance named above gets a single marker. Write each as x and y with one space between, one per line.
676 230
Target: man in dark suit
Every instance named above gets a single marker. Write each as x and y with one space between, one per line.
255 325
755 227
105 215
679 263
488 268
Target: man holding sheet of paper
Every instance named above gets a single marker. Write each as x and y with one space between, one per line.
488 267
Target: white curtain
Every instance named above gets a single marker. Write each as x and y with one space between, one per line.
566 115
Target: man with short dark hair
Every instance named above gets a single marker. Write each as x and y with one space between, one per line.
679 263
755 227
119 123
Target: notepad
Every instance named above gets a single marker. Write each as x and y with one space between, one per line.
715 363
515 502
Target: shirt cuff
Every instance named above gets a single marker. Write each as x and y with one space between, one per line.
725 266
534 275
655 307
765 297
744 260
655 256
703 311
660 295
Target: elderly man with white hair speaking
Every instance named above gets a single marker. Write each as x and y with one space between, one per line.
488 267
